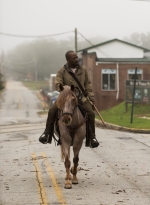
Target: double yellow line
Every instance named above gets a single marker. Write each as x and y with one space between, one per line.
41 189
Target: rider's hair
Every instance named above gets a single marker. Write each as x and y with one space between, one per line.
68 54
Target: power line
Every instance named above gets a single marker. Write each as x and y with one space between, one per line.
86 39
45 36
17 71
28 36
102 52
23 63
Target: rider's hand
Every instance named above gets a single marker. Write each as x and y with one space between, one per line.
92 102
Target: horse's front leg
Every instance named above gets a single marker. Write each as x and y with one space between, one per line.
68 182
74 169
76 149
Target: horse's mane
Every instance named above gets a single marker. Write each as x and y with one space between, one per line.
65 93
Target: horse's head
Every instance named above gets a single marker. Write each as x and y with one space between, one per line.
67 103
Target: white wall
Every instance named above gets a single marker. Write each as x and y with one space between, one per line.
147 54
117 49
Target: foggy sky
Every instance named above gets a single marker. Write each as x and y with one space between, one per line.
106 18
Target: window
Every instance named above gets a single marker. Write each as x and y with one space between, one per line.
108 79
131 74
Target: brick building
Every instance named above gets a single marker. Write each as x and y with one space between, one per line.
109 65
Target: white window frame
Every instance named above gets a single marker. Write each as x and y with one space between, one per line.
132 72
108 71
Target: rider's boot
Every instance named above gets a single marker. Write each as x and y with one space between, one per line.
94 142
46 137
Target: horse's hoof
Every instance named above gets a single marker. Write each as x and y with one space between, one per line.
68 184
74 181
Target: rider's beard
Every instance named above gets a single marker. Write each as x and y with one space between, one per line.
76 64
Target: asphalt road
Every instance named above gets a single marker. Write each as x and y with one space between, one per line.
18 105
115 173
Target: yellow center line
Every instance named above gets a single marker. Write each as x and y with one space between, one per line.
41 190
55 184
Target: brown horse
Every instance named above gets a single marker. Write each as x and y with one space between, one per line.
72 127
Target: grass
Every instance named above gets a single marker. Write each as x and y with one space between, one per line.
36 85
1 90
118 116
42 112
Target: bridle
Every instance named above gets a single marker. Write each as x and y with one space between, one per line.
71 128
67 113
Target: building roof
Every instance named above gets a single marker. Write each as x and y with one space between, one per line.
100 44
132 60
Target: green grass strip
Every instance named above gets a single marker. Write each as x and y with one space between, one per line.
118 116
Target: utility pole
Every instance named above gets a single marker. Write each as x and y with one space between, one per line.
35 65
76 40
135 76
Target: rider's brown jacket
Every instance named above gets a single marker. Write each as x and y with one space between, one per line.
64 78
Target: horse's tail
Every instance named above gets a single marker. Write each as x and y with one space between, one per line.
62 154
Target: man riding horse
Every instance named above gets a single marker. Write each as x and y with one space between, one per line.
64 77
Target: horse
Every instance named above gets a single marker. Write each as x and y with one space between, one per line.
72 128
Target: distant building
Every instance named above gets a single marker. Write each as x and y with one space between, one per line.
52 82
109 65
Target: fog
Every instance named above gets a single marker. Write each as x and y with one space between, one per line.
35 34
98 18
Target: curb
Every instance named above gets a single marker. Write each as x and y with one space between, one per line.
98 123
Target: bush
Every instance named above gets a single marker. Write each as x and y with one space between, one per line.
1 82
